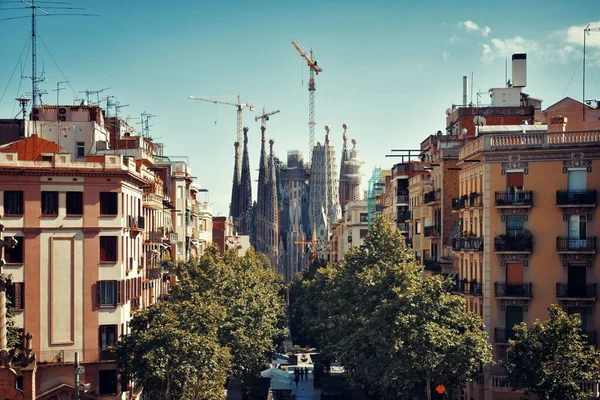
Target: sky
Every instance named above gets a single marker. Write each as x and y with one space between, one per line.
390 68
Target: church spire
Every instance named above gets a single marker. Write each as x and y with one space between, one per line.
235 188
245 191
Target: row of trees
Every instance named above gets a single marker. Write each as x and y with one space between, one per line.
224 318
399 332
395 330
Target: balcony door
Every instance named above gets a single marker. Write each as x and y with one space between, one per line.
514 316
577 280
577 179
582 315
577 231
514 279
514 225
514 183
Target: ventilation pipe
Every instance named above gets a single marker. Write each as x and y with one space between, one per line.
465 88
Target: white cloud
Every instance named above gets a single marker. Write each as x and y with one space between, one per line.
445 56
498 48
574 34
470 26
455 39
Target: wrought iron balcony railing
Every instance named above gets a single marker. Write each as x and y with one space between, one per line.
431 197
580 291
432 231
522 198
502 289
508 243
575 244
579 197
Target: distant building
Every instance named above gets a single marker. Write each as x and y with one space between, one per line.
224 233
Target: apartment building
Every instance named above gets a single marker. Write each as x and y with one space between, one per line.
420 216
93 207
349 231
76 269
531 194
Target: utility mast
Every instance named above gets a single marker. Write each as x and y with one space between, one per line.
57 5
314 69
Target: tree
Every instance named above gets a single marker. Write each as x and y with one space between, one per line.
552 359
250 291
173 350
394 330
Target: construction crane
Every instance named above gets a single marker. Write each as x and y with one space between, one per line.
314 69
265 117
240 106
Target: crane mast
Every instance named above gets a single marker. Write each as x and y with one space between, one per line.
265 117
240 107
314 69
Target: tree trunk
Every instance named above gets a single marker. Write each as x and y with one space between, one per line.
428 387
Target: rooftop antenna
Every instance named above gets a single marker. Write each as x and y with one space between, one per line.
118 106
108 103
58 89
96 92
37 11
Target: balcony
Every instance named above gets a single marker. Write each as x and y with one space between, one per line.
402 197
475 199
172 238
403 226
576 291
522 199
503 335
513 244
472 287
133 224
154 273
467 244
432 231
565 244
456 204
154 237
576 198
432 266
521 290
152 200
431 197
403 216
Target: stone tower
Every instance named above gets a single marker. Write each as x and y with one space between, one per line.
245 191
349 173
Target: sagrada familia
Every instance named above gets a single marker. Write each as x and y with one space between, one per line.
297 203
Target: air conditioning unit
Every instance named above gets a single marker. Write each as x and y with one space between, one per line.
35 111
62 111
62 118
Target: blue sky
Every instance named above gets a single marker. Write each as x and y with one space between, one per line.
390 68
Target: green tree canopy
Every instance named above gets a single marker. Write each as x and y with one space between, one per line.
394 329
552 359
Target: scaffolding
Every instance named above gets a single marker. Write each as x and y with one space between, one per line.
374 194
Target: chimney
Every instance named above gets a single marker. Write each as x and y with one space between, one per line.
465 88
519 70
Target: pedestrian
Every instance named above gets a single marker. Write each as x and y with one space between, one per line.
306 372
301 373
296 379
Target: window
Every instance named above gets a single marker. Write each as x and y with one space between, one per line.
109 293
179 248
13 202
49 203
417 227
363 217
179 219
514 225
180 192
80 148
577 179
15 255
108 336
108 248
363 233
16 295
107 381
74 203
109 204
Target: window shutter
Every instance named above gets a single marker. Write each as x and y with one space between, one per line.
515 179
98 294
119 292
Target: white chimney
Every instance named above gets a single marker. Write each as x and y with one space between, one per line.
519 70
465 88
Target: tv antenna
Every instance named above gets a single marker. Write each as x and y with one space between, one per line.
90 92
37 11
118 106
145 121
58 89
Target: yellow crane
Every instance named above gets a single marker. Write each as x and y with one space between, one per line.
314 69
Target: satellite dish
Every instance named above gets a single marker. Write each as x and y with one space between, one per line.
448 111
79 370
464 131
478 120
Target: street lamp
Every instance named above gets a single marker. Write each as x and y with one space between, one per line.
79 370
